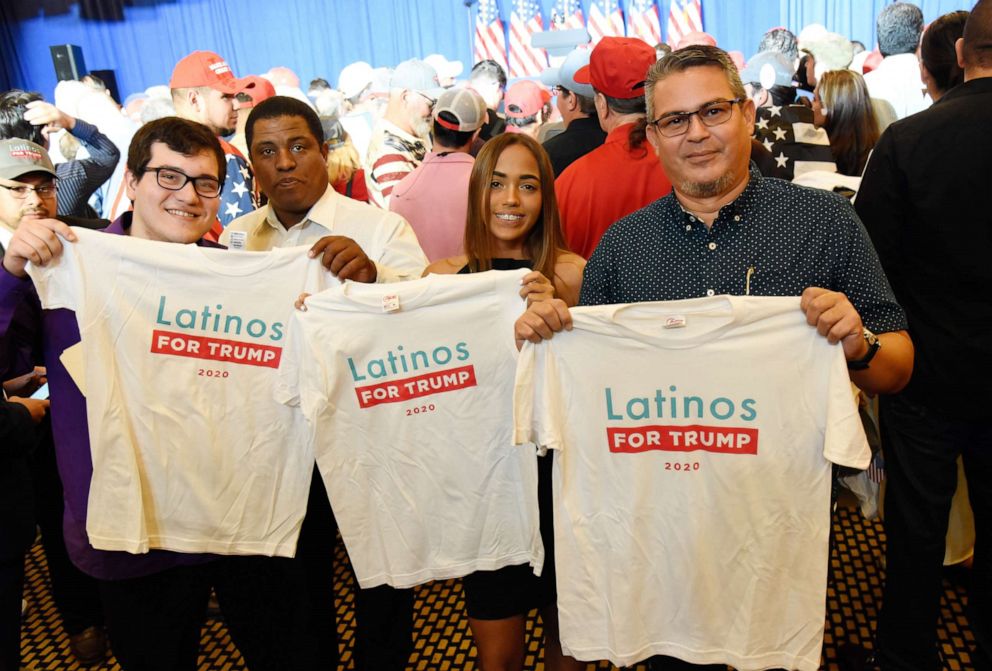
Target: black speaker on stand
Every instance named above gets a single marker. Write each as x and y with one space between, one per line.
68 61
109 77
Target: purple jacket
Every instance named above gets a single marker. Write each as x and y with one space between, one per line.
26 326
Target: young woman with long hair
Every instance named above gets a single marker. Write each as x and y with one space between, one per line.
512 223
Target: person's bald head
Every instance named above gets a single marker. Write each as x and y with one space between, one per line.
975 47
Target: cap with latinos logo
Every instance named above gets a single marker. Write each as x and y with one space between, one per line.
20 157
205 68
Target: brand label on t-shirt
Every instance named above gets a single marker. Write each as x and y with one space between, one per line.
237 239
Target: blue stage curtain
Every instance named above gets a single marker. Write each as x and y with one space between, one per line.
856 20
316 38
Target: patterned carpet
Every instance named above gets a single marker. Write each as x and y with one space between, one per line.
443 641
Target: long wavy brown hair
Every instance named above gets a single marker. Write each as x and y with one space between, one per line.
851 122
545 241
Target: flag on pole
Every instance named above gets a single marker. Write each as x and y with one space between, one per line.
525 20
605 19
684 17
567 15
490 41
642 21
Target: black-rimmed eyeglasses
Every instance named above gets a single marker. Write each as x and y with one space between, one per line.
175 180
21 191
711 114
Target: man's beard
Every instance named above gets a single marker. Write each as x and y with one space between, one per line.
707 189
421 127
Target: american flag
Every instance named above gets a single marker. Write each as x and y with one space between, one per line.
642 21
525 60
684 17
567 15
605 19
238 195
490 41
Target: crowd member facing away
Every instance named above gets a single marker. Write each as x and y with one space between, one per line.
938 58
434 197
841 105
922 201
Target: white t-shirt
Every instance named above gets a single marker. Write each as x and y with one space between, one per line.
692 479
410 414
190 451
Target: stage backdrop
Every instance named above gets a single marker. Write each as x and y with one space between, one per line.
141 40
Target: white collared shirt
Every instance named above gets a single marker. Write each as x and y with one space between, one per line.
385 237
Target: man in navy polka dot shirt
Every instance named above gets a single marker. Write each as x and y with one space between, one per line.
727 230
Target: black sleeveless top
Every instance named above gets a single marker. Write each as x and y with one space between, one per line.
501 264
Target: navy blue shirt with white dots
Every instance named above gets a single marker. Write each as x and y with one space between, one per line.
775 239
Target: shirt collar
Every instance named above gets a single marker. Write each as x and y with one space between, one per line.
390 127
321 213
5 235
620 133
739 206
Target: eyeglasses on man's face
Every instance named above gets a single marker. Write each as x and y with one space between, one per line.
711 114
175 180
430 101
21 191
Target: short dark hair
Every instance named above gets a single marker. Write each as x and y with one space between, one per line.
489 69
899 27
447 138
13 105
180 135
780 95
319 84
937 50
977 48
638 134
277 106
587 104
781 40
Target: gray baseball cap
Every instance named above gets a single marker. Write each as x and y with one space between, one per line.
20 157
564 75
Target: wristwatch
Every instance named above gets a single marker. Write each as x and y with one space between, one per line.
873 346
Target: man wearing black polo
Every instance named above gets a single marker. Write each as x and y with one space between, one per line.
933 232
577 105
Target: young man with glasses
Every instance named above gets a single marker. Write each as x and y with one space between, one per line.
620 176
154 603
401 138
726 230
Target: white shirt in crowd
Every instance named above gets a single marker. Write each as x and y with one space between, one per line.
694 444
897 81
181 344
407 390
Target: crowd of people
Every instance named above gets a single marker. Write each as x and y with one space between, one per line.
629 173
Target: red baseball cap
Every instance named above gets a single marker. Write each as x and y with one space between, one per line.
205 68
618 67
257 88
525 98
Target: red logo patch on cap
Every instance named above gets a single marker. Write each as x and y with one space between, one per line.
26 153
